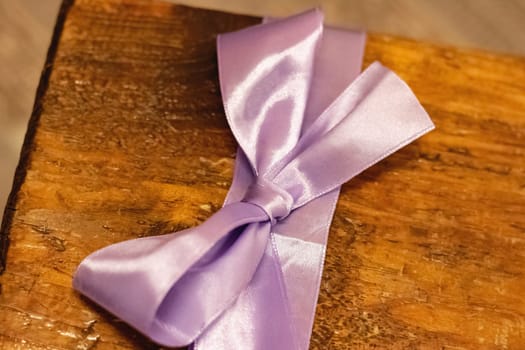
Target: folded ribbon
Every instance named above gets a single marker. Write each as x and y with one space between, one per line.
248 277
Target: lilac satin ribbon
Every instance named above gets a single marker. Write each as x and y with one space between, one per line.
248 277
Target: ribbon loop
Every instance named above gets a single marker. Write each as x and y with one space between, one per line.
248 277
276 202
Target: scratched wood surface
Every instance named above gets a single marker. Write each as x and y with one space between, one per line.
128 139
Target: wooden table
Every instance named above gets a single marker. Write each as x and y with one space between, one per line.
128 139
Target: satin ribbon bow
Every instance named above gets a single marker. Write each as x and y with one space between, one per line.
248 277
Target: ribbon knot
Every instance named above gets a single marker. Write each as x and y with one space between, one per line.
247 278
276 202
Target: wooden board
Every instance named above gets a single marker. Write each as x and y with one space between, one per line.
128 139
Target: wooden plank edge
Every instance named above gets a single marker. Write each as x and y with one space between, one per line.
23 161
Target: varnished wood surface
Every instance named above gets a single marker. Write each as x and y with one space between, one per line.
128 139
26 27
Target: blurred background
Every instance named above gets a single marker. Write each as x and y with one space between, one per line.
26 27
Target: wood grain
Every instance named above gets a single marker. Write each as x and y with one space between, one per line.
128 139
26 26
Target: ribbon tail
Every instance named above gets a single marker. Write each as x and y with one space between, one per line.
260 318
385 117
171 287
301 246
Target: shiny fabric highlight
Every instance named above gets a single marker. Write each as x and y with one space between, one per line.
248 277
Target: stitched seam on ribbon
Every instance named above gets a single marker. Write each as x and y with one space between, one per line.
344 179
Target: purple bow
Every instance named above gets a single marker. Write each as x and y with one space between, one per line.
248 277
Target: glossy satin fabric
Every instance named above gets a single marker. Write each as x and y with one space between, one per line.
248 277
